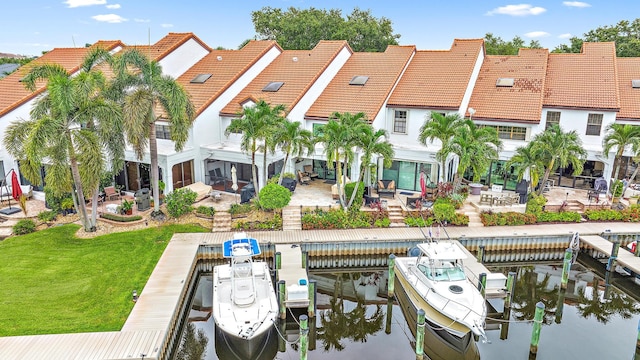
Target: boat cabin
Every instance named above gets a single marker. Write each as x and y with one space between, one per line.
441 261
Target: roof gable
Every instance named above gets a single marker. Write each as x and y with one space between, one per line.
628 70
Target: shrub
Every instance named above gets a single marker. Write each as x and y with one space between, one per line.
119 218
236 209
53 199
24 226
179 202
535 204
456 200
276 177
274 196
565 216
206 210
47 216
382 223
443 211
271 224
336 219
418 221
348 190
511 218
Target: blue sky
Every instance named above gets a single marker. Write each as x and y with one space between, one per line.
30 27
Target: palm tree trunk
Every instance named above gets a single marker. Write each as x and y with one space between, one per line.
442 170
547 172
153 171
254 174
355 189
94 208
75 173
264 163
284 166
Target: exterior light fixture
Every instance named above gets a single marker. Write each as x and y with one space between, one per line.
135 296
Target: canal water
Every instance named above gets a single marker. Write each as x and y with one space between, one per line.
589 320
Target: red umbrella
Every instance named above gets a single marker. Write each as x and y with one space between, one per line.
423 184
16 190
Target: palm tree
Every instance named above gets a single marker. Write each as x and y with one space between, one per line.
620 136
559 149
294 141
150 96
442 128
70 126
372 142
340 136
475 147
252 122
273 120
527 160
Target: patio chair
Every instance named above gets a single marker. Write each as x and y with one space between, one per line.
215 177
110 193
303 179
308 169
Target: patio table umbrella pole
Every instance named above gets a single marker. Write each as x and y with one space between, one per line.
234 181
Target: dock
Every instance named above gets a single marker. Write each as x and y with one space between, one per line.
293 272
625 258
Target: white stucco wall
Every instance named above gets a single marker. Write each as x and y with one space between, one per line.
182 58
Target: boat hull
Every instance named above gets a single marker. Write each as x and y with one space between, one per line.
439 344
263 346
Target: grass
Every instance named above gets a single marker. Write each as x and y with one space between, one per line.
52 282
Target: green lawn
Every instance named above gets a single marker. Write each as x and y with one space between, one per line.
53 282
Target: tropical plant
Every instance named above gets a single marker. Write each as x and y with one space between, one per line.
475 147
274 196
179 202
126 206
147 91
294 140
253 122
70 127
619 136
339 136
371 143
24 226
559 149
443 128
526 160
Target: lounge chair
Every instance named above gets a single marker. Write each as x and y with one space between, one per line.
386 187
303 179
308 169
110 193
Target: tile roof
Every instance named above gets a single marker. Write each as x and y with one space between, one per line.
628 70
167 44
587 80
224 72
382 70
438 79
12 91
298 69
520 102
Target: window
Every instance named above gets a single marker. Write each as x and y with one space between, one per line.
359 80
505 82
594 124
162 132
318 129
510 132
273 86
553 118
400 122
200 78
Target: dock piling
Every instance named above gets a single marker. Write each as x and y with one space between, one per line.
511 284
278 260
312 298
537 325
637 252
560 305
304 337
282 299
481 254
482 284
305 260
387 325
420 335
614 255
566 268
392 275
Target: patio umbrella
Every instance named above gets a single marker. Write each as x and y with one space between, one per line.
234 180
423 184
16 190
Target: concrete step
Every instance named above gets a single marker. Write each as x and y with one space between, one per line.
221 222
5 232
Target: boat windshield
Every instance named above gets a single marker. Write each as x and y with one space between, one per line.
443 271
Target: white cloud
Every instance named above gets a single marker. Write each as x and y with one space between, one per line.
579 4
167 25
565 36
142 20
517 10
79 3
110 18
536 34
113 6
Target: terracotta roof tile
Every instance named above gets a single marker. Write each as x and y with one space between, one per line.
167 44
628 70
587 80
520 102
298 69
224 72
438 79
382 70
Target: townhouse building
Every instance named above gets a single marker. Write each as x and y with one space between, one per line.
397 90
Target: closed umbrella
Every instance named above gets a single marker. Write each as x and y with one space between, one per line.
423 184
16 190
234 179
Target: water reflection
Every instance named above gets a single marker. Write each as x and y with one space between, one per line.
355 320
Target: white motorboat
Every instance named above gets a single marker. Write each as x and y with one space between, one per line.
245 307
435 281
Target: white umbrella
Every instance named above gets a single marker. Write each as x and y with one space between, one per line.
234 179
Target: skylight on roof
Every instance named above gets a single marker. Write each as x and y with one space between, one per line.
505 82
273 86
200 78
359 80
635 83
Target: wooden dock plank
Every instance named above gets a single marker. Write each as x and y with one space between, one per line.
291 270
625 258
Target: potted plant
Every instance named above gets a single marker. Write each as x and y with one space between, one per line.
67 206
126 207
